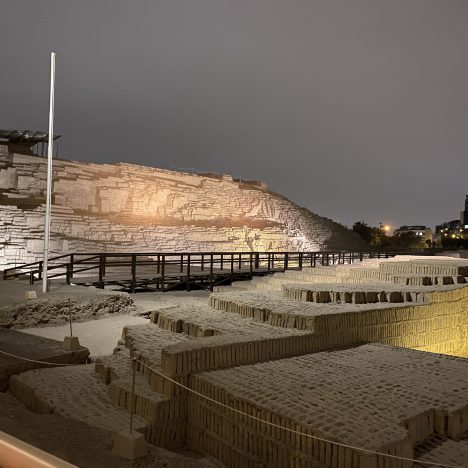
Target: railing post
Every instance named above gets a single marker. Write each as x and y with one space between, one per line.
181 263
211 272
40 269
268 262
31 277
300 260
68 275
360 256
286 261
188 272
232 267
240 261
102 266
202 266
158 265
163 265
133 273
257 260
221 266
313 259
72 262
251 263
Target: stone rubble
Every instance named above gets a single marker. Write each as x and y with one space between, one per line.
53 310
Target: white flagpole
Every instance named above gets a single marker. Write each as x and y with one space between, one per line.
49 173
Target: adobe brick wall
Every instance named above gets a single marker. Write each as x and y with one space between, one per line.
123 207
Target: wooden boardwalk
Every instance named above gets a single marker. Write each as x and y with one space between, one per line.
187 270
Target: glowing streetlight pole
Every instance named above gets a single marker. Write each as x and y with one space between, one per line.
49 173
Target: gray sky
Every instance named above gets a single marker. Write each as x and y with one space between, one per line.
356 109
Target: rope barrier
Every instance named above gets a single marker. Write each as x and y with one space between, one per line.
268 423
352 447
39 362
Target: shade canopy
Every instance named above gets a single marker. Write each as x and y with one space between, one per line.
25 137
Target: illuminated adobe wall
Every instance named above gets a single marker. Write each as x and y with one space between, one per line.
123 207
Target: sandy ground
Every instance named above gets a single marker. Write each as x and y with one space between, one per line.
100 336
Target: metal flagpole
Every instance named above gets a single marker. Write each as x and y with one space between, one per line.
49 173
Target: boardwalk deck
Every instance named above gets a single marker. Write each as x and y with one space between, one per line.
165 271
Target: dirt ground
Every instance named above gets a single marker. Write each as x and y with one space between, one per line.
100 335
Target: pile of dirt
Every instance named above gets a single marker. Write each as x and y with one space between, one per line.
46 311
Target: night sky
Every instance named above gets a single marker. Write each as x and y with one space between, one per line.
355 109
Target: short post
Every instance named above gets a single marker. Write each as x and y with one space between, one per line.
71 343
70 316
130 445
132 403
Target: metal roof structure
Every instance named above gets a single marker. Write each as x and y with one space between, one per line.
25 137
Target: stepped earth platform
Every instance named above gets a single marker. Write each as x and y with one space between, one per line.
346 366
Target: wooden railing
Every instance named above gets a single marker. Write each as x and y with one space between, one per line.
158 267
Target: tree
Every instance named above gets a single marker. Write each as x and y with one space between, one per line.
368 234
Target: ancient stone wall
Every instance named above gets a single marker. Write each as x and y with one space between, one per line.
123 207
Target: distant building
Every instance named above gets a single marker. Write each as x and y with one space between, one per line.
456 229
448 230
464 215
420 232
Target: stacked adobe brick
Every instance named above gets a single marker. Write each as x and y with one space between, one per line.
279 360
124 207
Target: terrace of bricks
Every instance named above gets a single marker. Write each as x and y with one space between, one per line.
318 364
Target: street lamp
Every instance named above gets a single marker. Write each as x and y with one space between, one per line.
383 229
